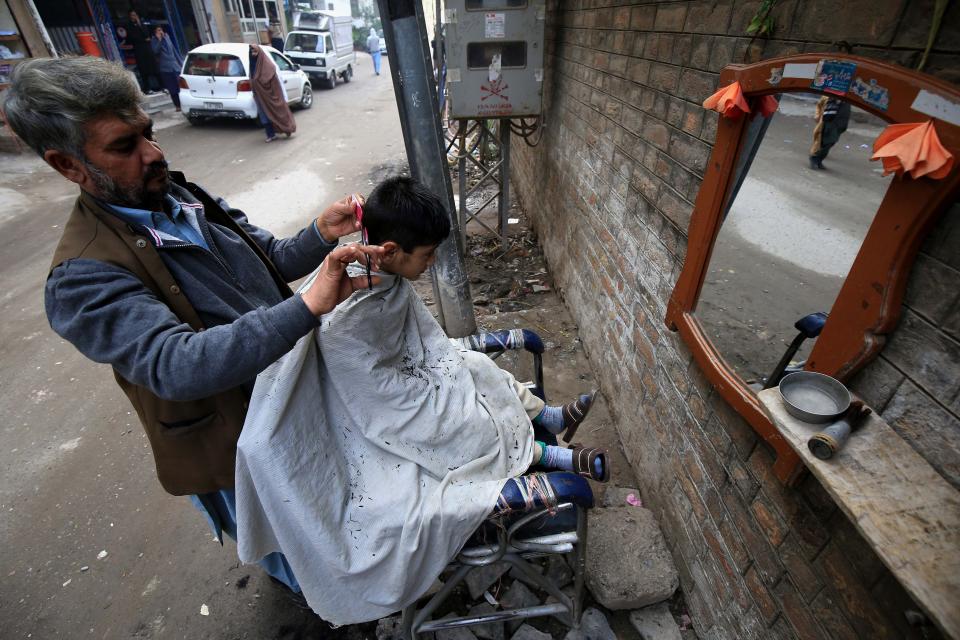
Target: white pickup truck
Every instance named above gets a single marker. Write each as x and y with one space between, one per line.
321 42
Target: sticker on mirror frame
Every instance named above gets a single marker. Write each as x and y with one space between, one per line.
871 93
776 75
834 76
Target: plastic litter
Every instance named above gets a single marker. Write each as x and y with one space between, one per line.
634 501
102 555
204 610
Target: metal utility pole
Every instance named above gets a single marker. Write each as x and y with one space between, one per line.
404 29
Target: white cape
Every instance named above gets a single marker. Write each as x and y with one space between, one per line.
372 451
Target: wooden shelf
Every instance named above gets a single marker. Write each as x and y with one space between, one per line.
10 38
904 509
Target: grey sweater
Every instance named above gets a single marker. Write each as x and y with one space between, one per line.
111 317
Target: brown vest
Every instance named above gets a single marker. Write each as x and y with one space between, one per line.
195 442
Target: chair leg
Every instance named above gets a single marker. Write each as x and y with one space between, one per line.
406 622
580 565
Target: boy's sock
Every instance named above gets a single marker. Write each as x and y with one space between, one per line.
561 458
556 419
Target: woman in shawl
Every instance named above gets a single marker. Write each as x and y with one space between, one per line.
270 95
169 63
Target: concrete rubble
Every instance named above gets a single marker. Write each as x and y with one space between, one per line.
628 563
655 623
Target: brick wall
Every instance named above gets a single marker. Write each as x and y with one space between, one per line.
610 189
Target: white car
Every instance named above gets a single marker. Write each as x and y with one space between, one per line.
215 82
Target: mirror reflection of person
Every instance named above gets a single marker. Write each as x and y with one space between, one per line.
833 115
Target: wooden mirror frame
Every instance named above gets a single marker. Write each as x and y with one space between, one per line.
868 305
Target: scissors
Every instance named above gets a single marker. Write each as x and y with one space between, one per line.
364 238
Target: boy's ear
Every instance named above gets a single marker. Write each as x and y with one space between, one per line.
390 250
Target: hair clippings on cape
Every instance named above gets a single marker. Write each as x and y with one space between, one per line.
364 240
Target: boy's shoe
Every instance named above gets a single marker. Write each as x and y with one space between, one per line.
585 462
576 412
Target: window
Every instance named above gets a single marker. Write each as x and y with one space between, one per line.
304 42
214 64
328 43
282 62
478 5
512 54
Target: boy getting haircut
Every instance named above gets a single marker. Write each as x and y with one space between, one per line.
383 492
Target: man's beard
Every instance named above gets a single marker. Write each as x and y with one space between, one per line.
137 195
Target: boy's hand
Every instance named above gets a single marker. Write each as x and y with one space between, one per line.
332 285
339 219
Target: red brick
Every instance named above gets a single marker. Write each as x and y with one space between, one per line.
768 607
830 615
708 16
665 77
856 600
796 612
642 18
670 17
765 560
739 553
769 522
804 578
621 18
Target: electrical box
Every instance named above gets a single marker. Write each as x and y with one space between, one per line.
494 53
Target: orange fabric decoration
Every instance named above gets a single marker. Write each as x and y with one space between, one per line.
912 148
729 101
768 106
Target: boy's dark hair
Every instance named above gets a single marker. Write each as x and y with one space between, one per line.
403 210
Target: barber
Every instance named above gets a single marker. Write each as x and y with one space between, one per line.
178 292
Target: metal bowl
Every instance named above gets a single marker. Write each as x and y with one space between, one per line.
814 397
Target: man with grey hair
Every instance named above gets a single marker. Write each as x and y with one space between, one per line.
178 292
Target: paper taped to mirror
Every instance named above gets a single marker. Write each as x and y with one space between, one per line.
794 70
937 107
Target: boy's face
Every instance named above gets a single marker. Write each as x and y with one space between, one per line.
407 265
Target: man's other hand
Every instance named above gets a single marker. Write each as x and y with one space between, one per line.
339 219
332 285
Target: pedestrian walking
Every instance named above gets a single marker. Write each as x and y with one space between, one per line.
833 115
138 35
270 95
275 40
169 63
373 46
167 283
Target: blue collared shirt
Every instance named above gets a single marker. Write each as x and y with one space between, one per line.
180 225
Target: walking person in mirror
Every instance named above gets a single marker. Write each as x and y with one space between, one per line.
833 115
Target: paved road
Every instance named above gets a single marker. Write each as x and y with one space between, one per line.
77 475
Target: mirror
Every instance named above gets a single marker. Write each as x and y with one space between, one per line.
792 227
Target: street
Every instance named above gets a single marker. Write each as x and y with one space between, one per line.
92 546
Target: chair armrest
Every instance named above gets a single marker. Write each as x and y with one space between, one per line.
497 341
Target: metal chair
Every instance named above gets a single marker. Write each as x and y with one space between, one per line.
537 515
